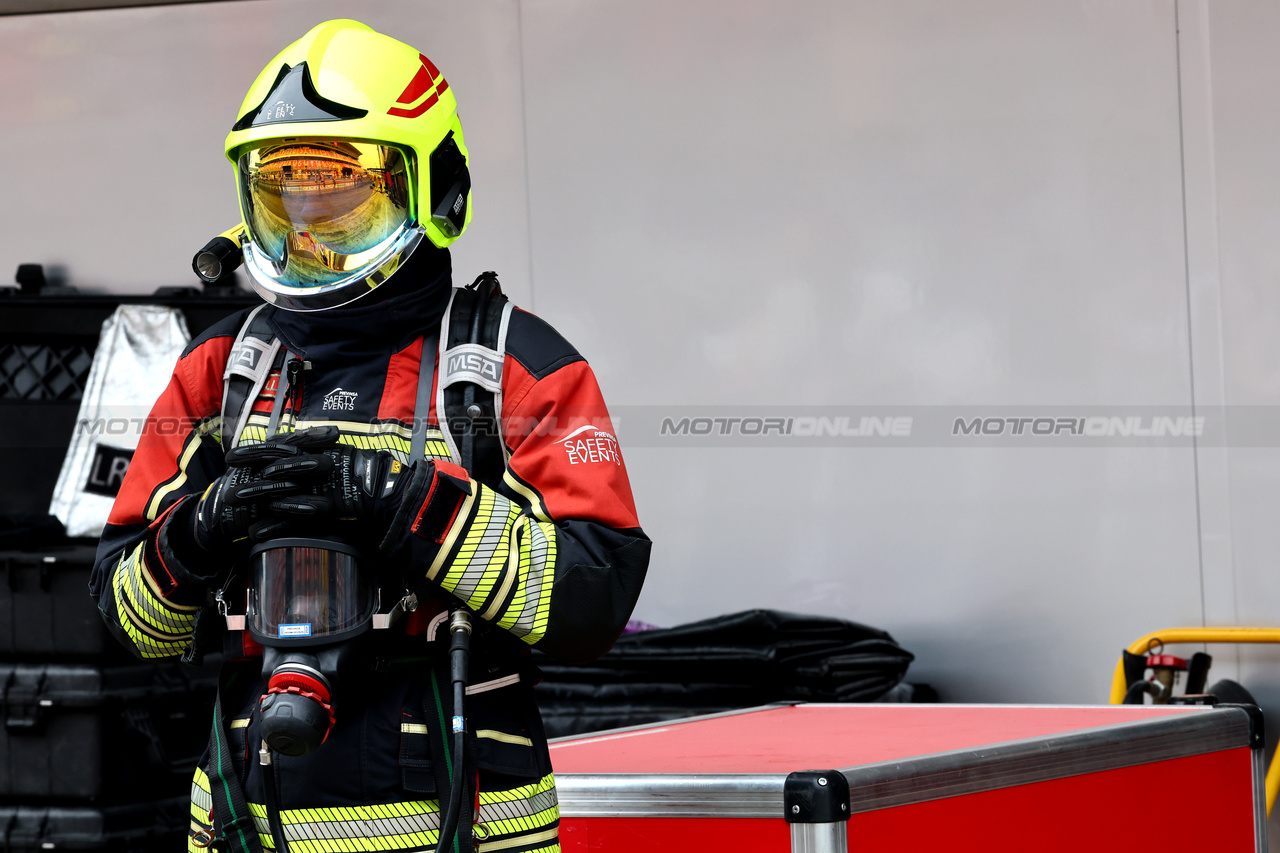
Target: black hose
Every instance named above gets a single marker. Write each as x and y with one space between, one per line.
459 653
1133 696
273 809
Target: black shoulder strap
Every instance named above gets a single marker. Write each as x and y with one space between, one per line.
231 813
248 366
473 341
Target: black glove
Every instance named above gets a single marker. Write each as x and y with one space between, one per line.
244 503
382 498
341 483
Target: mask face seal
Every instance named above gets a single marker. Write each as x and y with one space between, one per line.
326 219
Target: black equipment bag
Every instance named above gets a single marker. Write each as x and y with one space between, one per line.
740 660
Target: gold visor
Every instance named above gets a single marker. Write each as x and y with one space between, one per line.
321 209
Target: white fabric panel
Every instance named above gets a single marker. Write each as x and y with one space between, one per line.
131 366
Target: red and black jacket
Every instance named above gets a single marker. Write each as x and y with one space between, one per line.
549 549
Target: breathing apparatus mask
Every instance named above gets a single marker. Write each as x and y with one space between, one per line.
312 603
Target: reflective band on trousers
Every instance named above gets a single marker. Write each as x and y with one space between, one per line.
523 818
393 826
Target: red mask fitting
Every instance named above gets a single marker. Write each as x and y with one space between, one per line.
297 709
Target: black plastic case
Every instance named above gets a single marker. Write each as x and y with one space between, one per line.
80 732
139 828
45 608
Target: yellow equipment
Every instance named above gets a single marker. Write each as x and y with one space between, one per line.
1158 639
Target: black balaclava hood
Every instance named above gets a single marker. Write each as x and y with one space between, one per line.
407 304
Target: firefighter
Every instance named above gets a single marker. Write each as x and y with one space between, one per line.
396 448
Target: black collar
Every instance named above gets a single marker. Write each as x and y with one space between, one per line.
410 302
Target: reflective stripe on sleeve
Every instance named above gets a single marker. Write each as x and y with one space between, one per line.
503 566
156 628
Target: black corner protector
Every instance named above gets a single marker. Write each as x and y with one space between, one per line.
816 796
1257 727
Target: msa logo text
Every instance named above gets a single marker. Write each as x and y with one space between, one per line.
468 362
590 444
247 357
339 400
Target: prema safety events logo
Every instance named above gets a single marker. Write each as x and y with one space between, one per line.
339 400
590 444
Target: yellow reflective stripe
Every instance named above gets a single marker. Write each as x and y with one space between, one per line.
358 428
358 828
392 437
515 563
527 615
502 554
535 503
437 449
523 792
518 571
146 645
503 549
414 728
518 816
547 569
149 643
193 444
520 840
477 546
459 524
142 626
147 602
164 602
201 799
494 734
483 555
242 723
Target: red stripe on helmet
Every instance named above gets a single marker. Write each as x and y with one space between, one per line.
416 111
418 87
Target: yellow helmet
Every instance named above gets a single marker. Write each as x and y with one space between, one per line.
348 151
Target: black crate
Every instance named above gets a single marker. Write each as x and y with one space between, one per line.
107 735
46 347
142 828
45 608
